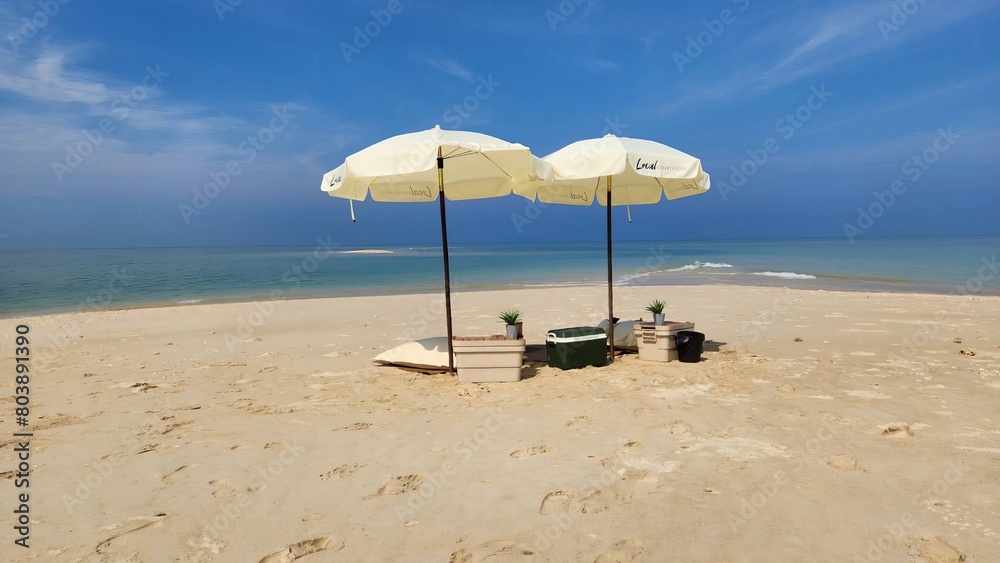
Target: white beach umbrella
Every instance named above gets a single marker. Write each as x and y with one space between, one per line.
422 166
621 171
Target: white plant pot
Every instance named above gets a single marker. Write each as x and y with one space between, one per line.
658 318
511 332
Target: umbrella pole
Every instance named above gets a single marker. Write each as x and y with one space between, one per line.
447 273
611 295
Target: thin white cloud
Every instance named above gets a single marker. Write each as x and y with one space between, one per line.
448 67
948 91
817 43
970 145
47 79
856 23
595 64
53 108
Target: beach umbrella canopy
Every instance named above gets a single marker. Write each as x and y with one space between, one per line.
423 166
617 171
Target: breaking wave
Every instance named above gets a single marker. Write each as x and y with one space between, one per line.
699 265
786 275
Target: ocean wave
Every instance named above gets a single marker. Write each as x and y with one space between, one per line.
366 251
188 301
786 275
622 280
699 265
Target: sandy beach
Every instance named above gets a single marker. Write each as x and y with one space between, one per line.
820 426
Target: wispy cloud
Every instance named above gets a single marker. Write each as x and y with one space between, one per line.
819 42
973 145
947 91
448 67
52 106
47 79
595 64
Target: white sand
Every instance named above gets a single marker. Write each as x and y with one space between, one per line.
160 438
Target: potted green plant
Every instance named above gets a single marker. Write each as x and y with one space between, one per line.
511 317
656 307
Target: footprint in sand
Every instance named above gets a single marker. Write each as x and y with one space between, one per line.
842 462
530 451
503 550
174 475
341 471
557 501
149 448
578 421
933 549
622 552
355 426
604 499
114 541
897 430
676 428
223 488
399 485
301 549
174 426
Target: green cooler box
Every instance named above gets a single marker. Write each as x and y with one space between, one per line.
571 348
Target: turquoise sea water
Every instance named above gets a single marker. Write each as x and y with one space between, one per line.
40 281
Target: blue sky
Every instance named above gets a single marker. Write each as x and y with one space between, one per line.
290 89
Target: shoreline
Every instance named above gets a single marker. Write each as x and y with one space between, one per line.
421 292
808 285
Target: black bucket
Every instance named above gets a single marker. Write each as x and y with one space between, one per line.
690 345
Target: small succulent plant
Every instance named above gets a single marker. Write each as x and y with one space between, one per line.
510 316
656 307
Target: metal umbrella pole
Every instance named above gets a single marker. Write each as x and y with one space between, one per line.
611 294
447 273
